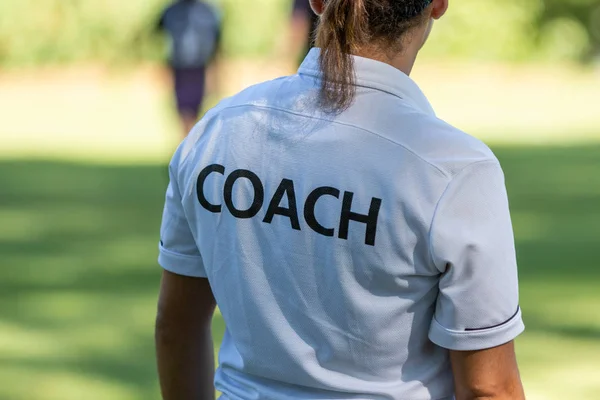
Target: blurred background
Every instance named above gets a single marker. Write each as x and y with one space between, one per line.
87 126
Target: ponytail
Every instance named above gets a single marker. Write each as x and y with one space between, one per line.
346 26
342 28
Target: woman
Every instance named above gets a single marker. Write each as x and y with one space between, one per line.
357 246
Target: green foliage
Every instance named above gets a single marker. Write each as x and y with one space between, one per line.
34 32
486 29
516 30
50 31
253 28
580 19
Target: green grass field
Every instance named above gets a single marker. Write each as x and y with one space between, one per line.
79 278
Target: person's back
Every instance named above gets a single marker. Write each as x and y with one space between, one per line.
315 235
347 251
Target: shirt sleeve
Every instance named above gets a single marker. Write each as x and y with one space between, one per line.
472 245
178 251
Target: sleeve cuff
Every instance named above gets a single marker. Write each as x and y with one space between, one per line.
476 339
181 264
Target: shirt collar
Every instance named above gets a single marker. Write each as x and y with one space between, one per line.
375 75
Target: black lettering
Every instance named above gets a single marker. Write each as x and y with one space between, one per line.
200 187
369 219
285 187
259 193
309 208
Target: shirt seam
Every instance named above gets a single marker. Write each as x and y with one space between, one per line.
437 205
183 271
172 253
380 87
488 328
505 326
342 124
360 82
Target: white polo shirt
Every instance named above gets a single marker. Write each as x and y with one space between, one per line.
346 252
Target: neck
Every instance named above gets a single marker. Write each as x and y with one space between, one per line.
403 60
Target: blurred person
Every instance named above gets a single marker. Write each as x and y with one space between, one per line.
357 246
303 25
194 30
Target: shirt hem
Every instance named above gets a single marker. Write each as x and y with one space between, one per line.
181 264
476 339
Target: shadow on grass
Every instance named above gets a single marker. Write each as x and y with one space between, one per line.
79 277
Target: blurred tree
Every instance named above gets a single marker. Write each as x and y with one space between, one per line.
34 32
582 13
486 30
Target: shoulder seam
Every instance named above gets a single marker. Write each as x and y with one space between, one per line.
437 204
344 124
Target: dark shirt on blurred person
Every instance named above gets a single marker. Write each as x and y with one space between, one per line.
194 28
